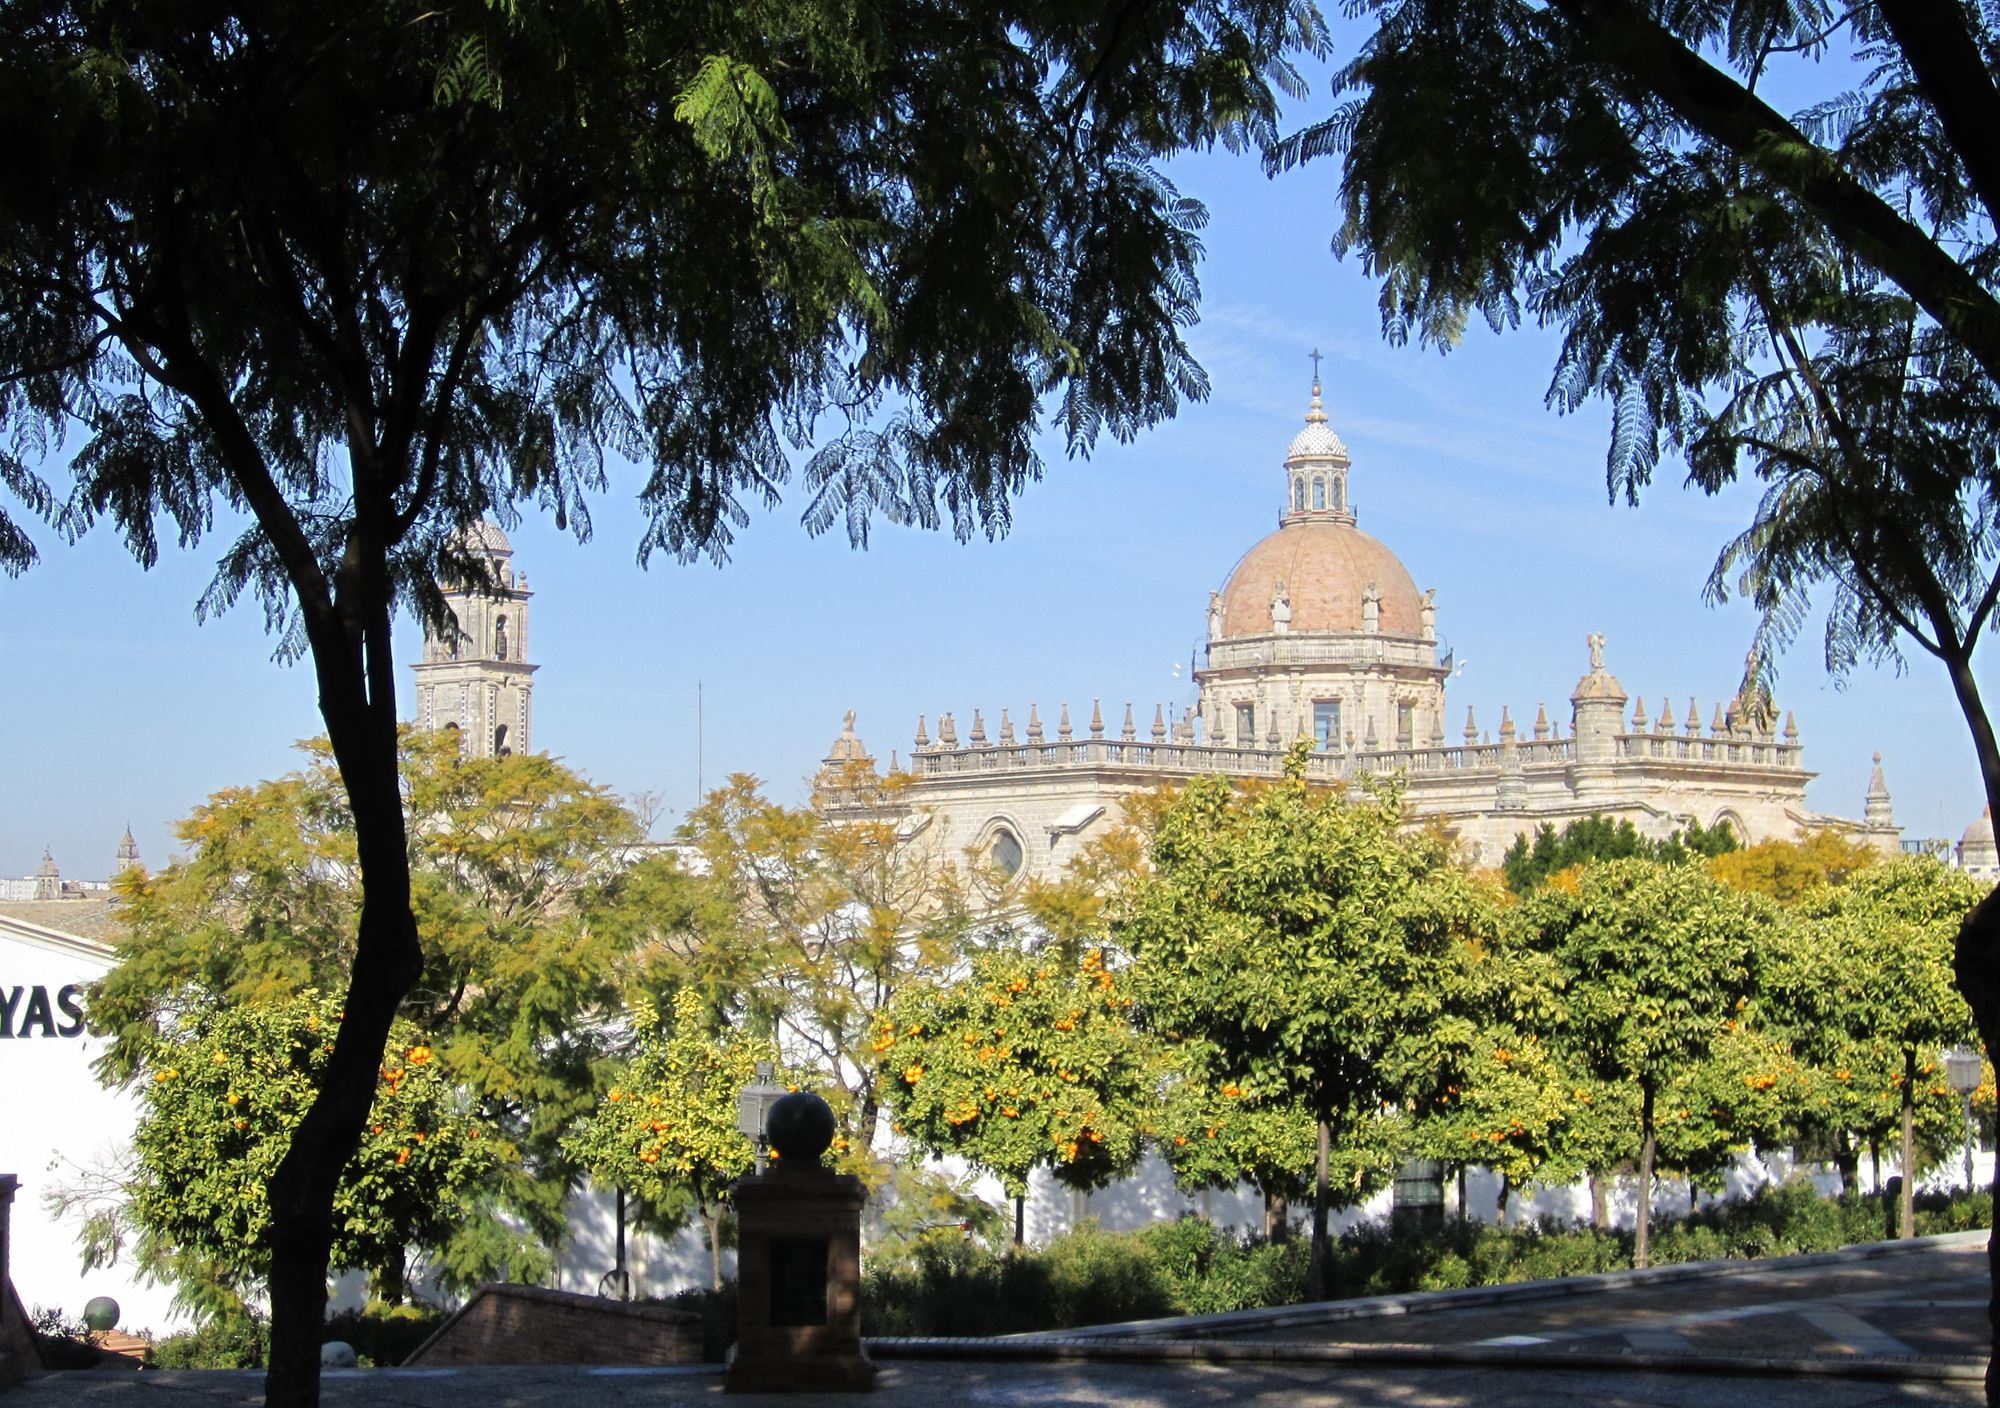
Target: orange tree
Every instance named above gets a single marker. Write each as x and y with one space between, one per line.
1652 961
346 275
826 911
1216 1133
1522 1107
1752 1088
666 1131
1787 870
1874 995
219 1101
1323 952
1027 1061
531 943
1844 1080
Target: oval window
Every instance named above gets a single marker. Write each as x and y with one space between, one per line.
1006 853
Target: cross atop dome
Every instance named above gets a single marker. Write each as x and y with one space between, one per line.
1316 468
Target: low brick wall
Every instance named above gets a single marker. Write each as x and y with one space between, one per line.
509 1324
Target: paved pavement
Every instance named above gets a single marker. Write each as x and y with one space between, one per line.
1859 1329
935 1384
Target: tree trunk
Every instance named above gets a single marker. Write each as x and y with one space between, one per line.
1500 1203
355 666
1642 1245
1906 1213
1874 1165
714 1217
1847 1160
1320 1269
1463 1211
390 1285
1600 1203
1976 956
1277 1218
1020 1220
1976 964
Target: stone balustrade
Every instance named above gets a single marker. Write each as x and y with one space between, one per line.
1189 759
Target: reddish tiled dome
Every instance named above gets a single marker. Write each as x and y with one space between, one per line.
1325 567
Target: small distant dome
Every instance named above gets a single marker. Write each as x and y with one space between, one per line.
847 754
1978 841
848 748
486 536
1977 854
1316 442
1599 685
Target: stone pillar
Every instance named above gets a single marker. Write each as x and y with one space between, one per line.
1511 793
17 1340
798 1306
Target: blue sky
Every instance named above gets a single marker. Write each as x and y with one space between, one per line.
118 707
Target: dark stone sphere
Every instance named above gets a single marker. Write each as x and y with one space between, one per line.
799 1126
101 1314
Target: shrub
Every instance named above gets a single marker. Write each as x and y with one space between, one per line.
232 1339
63 1343
384 1335
717 1309
945 1285
1096 1277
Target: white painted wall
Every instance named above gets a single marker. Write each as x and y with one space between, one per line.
56 1120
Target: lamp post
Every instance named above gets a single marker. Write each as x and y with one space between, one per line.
753 1109
1962 1070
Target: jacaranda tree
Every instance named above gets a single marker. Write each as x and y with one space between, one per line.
338 279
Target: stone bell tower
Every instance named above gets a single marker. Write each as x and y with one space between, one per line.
479 682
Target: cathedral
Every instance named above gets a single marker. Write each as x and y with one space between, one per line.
1320 633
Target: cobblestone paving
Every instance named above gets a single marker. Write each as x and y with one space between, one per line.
1925 1303
1912 1320
977 1385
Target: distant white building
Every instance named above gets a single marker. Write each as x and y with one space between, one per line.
62 1127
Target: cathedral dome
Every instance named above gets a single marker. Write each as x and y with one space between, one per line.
1976 847
1326 567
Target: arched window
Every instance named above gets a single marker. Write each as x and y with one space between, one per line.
1298 493
500 639
500 748
1339 492
1319 493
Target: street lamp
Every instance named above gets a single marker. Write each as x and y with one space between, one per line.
1962 1070
753 1108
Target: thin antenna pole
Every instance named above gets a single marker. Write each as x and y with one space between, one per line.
700 787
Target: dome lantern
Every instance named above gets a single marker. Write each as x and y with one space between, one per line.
1316 468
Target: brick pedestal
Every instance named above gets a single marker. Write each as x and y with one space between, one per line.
798 1318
